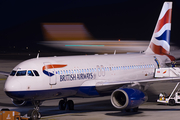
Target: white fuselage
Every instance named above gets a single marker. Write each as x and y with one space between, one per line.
78 76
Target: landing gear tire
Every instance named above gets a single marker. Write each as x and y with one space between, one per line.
171 102
66 105
62 105
70 105
34 115
135 109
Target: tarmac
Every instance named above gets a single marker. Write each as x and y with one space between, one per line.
99 108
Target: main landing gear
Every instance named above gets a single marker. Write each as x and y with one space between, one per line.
66 105
35 114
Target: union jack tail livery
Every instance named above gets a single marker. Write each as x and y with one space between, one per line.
160 41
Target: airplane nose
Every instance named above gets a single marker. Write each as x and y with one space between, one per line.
11 87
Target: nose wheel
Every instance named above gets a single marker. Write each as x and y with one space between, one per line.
66 105
35 114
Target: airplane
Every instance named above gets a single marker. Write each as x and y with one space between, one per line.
125 77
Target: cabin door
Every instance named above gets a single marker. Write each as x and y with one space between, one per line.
50 72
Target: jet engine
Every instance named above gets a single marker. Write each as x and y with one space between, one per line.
128 98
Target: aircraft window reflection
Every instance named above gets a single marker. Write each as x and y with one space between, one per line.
30 73
13 73
36 73
21 73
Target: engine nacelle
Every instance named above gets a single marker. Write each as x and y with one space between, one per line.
19 102
127 98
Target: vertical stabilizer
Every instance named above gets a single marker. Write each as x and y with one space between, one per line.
160 41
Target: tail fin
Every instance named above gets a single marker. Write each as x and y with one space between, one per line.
160 41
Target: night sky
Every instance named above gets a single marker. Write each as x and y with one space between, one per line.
20 21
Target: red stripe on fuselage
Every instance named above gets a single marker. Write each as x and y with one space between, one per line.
164 20
53 66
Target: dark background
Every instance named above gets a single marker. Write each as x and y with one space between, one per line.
20 20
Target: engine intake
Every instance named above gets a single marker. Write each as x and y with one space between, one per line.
127 98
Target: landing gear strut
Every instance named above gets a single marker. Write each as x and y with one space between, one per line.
35 114
66 105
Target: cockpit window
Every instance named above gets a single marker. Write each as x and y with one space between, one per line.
30 73
21 73
36 73
13 73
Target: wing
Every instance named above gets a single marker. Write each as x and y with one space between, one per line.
110 86
4 73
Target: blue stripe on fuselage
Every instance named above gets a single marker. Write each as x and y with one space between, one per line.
88 91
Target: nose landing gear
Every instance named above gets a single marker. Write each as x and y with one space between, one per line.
35 114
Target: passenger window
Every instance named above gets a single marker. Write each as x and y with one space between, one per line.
92 70
74 71
21 73
66 71
61 72
13 73
77 71
36 73
107 68
69 71
87 70
30 73
82 71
